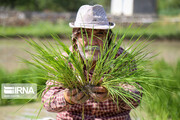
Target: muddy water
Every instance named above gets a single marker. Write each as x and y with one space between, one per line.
27 112
10 49
169 50
166 50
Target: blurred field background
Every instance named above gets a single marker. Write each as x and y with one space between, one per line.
165 32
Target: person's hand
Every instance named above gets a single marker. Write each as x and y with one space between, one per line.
75 96
99 93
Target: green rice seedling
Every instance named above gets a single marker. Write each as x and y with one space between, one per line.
57 65
131 67
113 70
128 68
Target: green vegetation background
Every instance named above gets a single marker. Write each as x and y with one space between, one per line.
165 7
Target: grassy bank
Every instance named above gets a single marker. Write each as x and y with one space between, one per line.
40 29
159 30
163 106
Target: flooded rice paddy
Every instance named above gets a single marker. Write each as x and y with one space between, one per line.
11 49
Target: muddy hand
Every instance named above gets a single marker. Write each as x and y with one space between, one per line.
75 96
99 93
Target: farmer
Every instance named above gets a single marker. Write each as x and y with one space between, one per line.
69 104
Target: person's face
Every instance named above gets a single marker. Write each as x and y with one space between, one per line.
92 46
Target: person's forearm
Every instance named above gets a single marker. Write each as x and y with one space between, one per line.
53 99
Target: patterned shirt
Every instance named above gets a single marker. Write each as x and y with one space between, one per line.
54 101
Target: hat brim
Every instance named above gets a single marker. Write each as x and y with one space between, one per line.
93 26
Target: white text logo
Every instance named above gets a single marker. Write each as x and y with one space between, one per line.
19 91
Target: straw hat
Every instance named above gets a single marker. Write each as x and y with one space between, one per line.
93 17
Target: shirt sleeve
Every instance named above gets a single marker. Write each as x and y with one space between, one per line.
53 97
134 89
136 96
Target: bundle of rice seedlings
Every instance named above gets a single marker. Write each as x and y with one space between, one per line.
128 68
